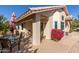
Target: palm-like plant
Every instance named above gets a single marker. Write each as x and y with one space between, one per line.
4 25
75 24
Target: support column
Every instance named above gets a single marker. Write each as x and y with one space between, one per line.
36 30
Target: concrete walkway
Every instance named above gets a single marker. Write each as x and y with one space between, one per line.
67 44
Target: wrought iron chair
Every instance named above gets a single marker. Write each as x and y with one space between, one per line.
5 46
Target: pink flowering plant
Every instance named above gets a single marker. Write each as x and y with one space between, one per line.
57 34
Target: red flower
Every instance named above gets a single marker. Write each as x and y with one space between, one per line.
57 34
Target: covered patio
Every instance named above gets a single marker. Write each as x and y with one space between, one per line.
34 25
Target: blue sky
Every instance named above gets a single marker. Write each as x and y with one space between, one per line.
73 10
7 10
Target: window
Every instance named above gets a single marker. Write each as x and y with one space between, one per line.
18 26
62 25
62 17
56 25
22 26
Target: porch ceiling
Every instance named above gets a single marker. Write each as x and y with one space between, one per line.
26 19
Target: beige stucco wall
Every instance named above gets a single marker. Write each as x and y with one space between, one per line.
47 30
26 27
67 26
50 24
48 27
56 17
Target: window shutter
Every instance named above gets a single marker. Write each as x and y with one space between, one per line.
56 25
62 25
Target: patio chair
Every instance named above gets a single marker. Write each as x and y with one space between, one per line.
5 46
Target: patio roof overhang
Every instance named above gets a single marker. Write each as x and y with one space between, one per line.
32 11
68 18
30 16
